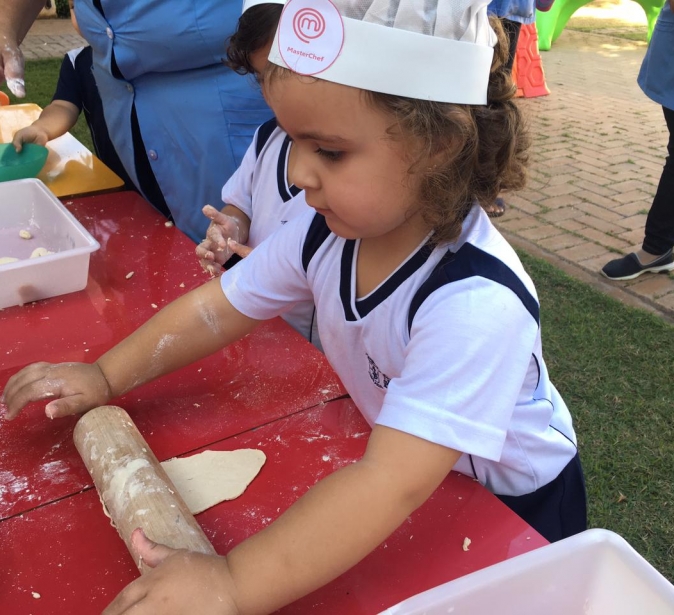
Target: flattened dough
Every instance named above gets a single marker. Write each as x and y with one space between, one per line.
211 477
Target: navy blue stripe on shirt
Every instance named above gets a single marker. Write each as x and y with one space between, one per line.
345 278
366 305
263 133
318 232
286 192
468 262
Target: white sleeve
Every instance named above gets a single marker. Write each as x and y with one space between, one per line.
239 187
271 279
469 354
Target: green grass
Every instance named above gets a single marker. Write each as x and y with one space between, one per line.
41 78
614 366
617 18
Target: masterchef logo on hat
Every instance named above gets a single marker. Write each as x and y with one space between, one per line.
308 25
310 35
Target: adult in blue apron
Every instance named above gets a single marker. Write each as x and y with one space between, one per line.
179 119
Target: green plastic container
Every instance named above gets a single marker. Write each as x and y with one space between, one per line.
28 163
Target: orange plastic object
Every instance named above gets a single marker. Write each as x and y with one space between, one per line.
4 99
528 67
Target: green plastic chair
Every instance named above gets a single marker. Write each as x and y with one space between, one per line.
551 23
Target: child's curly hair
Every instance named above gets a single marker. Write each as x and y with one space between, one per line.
469 153
477 151
255 29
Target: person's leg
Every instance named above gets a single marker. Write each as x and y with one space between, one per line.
660 221
512 30
656 253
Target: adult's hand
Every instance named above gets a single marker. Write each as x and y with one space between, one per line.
11 66
16 18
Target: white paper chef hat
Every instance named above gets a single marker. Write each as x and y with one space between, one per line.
438 50
250 3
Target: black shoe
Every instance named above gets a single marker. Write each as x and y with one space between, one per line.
629 267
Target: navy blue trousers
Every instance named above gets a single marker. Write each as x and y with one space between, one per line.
660 221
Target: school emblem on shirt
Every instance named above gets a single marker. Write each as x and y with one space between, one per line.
379 378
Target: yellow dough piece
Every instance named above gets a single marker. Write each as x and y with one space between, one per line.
211 477
38 252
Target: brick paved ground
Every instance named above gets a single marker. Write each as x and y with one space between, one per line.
598 149
50 38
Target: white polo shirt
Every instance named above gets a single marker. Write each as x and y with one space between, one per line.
260 189
448 348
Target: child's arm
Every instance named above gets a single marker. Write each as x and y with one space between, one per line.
228 223
194 326
55 120
337 523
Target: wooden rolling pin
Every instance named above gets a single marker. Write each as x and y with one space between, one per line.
133 487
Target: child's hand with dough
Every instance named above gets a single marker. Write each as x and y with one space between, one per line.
227 231
73 388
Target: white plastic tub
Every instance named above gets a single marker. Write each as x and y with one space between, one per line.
593 573
27 205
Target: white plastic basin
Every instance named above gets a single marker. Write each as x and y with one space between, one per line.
28 205
593 573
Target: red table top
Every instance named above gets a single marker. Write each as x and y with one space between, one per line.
265 376
272 390
88 563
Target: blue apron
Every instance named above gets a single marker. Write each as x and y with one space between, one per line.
196 117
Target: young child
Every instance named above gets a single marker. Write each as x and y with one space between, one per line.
76 91
424 310
247 52
259 197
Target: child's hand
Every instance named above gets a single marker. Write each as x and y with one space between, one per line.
238 248
182 583
29 134
74 388
214 251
